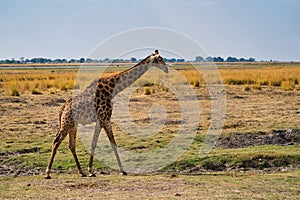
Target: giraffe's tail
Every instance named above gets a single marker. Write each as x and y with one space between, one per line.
59 117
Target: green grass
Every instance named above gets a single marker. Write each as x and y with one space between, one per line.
34 151
257 157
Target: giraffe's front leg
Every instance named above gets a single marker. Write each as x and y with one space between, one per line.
108 129
94 144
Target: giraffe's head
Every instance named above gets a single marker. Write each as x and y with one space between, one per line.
157 61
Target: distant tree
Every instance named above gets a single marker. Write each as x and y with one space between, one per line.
81 60
231 59
246 60
170 60
72 60
22 59
209 59
133 59
7 61
242 60
251 60
218 59
33 60
199 59
89 60
180 60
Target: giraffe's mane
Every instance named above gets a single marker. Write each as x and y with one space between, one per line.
141 62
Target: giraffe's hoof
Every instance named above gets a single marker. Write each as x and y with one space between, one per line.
123 173
48 177
83 175
92 175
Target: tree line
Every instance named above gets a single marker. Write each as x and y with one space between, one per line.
220 59
22 60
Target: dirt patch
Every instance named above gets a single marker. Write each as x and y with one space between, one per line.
276 137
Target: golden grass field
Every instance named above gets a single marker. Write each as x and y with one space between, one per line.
287 77
262 99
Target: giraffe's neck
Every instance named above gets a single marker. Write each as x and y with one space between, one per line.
90 90
129 76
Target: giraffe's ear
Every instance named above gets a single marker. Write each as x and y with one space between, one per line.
156 52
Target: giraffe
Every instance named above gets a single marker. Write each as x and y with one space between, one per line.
94 104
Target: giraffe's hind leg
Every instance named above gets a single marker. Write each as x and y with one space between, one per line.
60 136
72 146
94 144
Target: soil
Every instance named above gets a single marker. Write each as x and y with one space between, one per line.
276 137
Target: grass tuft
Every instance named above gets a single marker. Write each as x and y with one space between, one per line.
196 83
247 88
14 92
52 90
36 91
288 85
147 91
256 87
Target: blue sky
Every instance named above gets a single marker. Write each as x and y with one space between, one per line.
263 29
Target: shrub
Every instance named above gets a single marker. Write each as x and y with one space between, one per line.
196 83
14 92
247 88
52 90
147 91
36 91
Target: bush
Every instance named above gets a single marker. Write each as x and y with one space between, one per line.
52 90
14 92
247 88
36 91
147 91
196 83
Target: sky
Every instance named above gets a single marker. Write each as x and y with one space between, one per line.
263 29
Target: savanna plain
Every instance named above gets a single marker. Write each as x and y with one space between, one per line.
257 155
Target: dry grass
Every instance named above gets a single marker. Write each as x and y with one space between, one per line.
286 76
36 81
39 81
22 81
271 76
206 186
